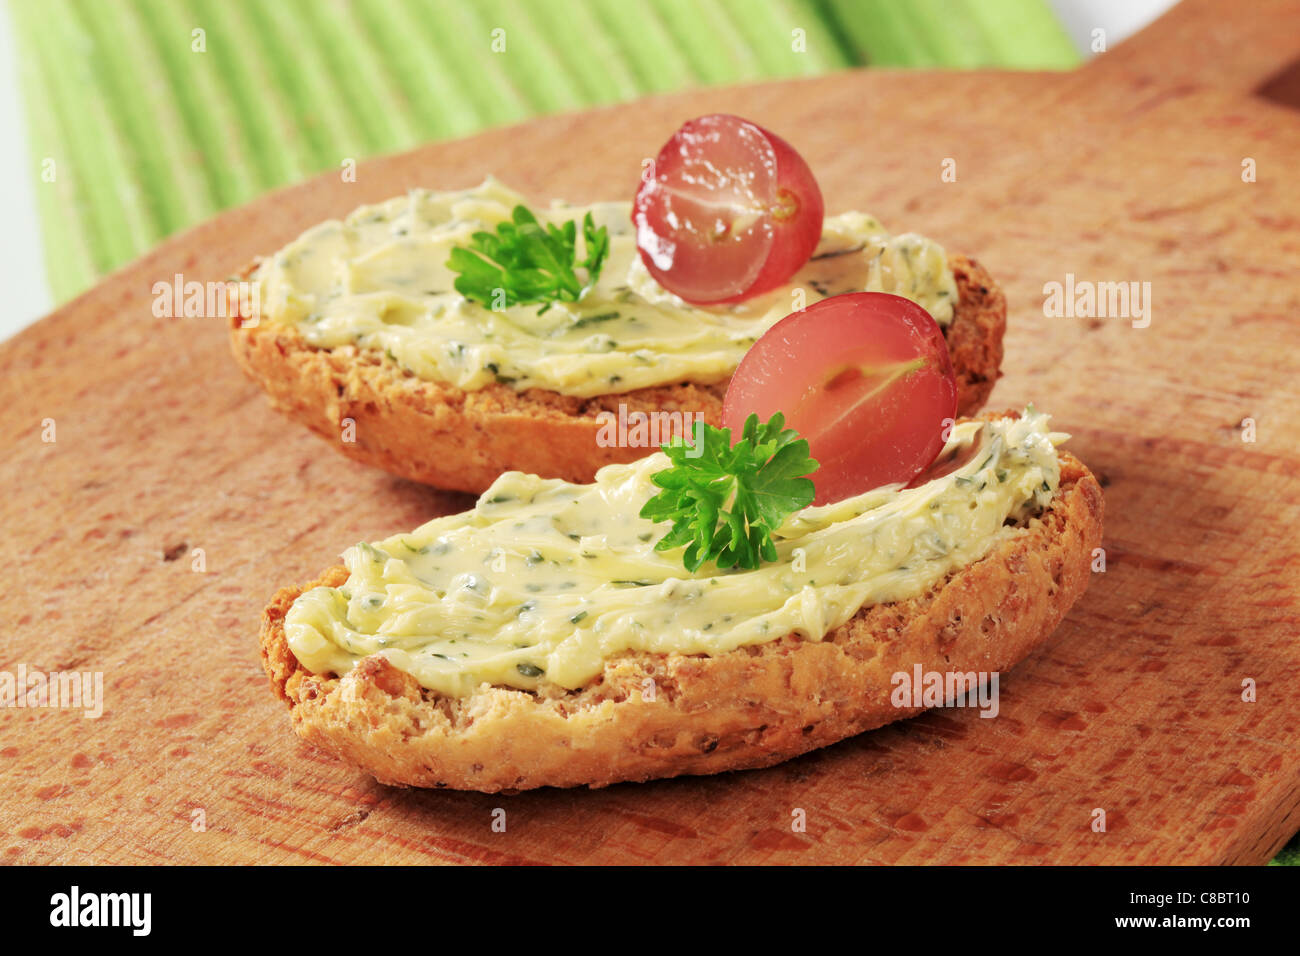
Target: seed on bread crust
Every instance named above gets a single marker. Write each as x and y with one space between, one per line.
461 440
747 708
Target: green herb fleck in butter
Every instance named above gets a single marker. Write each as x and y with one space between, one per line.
545 580
379 280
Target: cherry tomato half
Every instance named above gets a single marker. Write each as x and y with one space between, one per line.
728 211
865 377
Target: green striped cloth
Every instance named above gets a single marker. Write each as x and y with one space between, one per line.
1289 855
156 114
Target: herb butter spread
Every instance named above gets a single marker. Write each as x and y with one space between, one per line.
546 580
379 280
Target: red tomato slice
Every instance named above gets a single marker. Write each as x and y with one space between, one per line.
730 211
865 377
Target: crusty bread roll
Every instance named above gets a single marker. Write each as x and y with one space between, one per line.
462 440
750 707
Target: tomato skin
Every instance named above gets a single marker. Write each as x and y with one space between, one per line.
802 227
730 211
865 377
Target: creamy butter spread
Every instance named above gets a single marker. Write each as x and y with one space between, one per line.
379 280
545 580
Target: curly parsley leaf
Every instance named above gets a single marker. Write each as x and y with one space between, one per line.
725 501
527 263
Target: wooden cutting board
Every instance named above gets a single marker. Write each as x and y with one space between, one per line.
1127 170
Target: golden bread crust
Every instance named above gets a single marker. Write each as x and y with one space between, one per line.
747 708
442 435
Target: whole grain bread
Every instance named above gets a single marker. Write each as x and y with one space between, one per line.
664 715
441 435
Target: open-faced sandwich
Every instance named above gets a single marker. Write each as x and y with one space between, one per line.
541 639
450 336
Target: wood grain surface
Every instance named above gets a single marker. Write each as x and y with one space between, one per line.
1129 169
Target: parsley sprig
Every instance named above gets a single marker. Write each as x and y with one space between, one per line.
724 500
526 263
